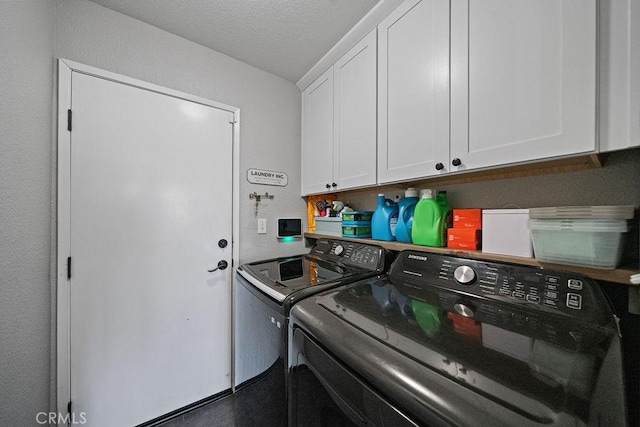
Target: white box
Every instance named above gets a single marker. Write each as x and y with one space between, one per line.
506 232
329 225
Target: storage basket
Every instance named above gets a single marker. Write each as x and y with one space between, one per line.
597 243
357 216
357 229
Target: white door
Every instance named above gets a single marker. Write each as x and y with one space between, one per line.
354 125
523 80
413 91
151 196
317 135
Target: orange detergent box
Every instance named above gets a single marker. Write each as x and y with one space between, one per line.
467 218
463 235
464 238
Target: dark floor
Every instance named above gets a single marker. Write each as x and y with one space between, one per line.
260 404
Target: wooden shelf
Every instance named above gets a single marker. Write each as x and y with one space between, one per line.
619 275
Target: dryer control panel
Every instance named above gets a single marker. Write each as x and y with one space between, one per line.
564 293
359 255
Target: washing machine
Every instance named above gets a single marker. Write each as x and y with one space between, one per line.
442 341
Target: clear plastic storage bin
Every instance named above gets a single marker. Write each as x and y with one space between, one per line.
329 225
592 236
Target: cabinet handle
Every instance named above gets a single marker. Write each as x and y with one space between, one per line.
456 162
439 166
334 185
328 186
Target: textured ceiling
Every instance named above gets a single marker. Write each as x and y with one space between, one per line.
283 37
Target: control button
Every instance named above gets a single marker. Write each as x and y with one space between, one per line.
575 284
552 279
533 298
464 310
550 294
551 303
338 249
552 287
464 275
518 294
574 301
506 292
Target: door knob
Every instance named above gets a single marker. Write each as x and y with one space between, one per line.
456 162
221 266
222 243
328 186
439 166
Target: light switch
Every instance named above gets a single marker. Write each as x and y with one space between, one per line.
262 225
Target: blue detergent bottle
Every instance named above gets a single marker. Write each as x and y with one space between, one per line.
406 207
384 219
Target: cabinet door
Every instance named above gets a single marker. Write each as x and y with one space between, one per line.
354 144
317 135
522 80
413 90
619 66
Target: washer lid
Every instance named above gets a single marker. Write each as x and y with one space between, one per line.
534 367
287 275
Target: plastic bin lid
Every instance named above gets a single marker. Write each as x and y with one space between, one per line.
568 212
584 225
328 218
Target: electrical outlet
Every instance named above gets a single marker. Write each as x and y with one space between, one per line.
262 226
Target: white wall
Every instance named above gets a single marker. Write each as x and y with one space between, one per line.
33 33
26 88
269 105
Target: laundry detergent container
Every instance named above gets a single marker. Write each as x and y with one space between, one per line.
590 236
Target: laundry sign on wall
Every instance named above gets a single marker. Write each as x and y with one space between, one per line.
261 176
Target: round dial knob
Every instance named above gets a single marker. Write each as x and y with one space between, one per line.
464 275
338 250
466 310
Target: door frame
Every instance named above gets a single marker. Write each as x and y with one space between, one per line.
63 237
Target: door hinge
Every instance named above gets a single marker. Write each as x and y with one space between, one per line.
69 120
69 407
234 119
68 268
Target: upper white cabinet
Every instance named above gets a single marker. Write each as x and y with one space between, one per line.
354 145
413 91
339 123
464 85
619 79
523 80
317 135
